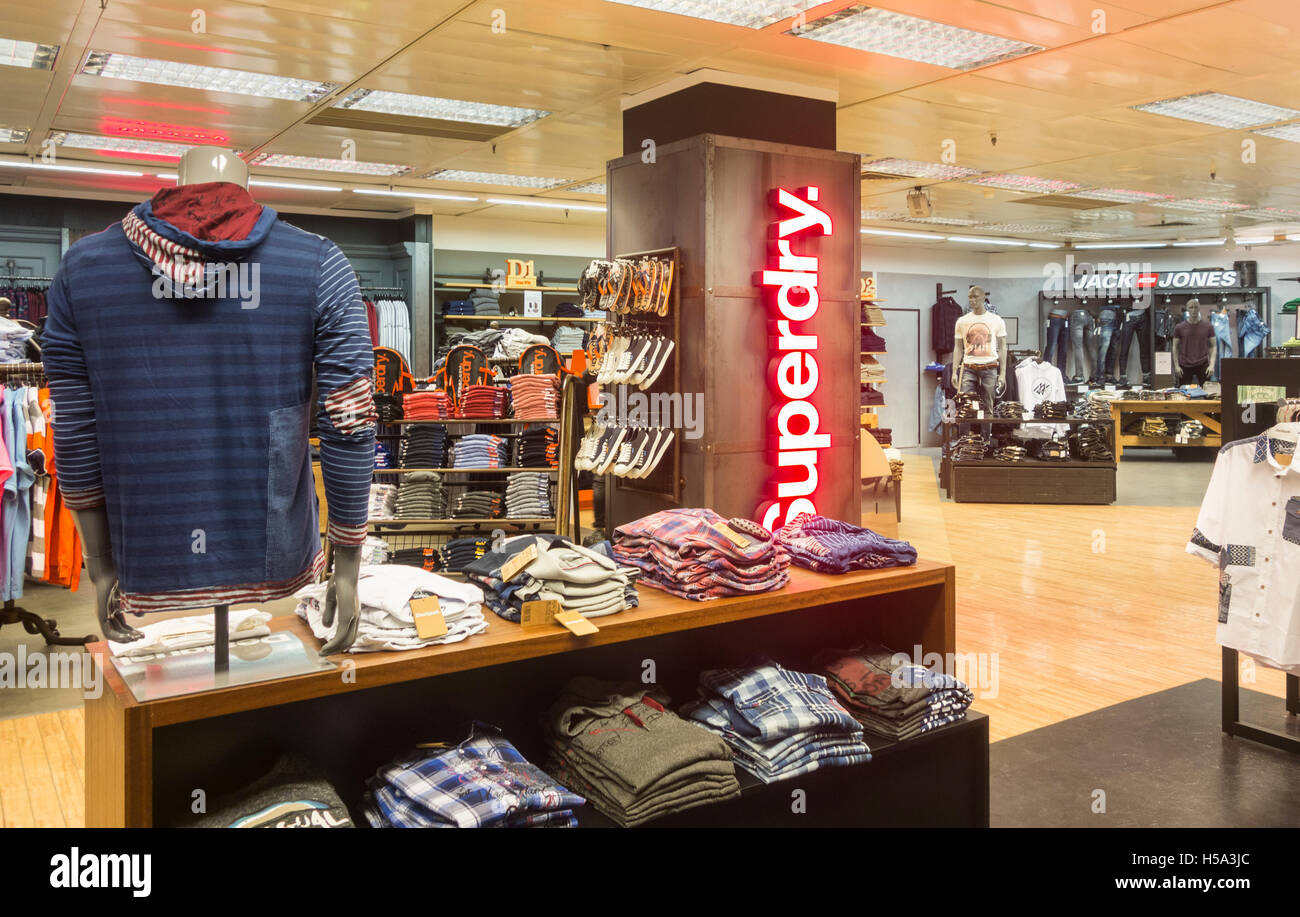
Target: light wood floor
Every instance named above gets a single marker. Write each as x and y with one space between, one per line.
1082 608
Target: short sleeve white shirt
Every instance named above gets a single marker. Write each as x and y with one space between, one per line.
979 335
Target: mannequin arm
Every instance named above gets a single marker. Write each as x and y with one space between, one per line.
1212 353
1178 367
1002 360
341 596
97 546
958 355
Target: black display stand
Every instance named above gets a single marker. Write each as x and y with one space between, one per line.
1030 481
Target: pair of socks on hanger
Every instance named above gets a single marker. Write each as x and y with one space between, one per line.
626 452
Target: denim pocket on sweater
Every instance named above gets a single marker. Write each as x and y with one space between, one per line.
1291 524
288 501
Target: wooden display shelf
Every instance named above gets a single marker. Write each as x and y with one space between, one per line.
515 318
556 288
506 470
505 520
873 353
1208 412
143 758
482 420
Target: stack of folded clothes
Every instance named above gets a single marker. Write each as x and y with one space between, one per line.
374 551
1093 407
779 723
515 341
831 546
970 447
386 622
883 435
535 395
870 396
968 406
459 553
430 404
486 301
383 501
421 496
871 369
872 342
1151 426
568 338
477 504
568 310
423 447
528 495
383 455
697 554
538 447
428 558
579 578
484 782
891 696
1010 452
486 401
1191 429
1052 410
458 307
480 450
1052 450
388 407
656 764
1011 409
1091 444
292 795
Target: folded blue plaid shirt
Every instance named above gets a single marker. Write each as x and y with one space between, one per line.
484 782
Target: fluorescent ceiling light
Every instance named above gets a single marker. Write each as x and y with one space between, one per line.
1282 132
397 192
291 185
417 106
1269 213
588 187
1095 246
120 144
753 14
1026 183
904 235
169 176
1199 243
27 54
1044 244
1020 227
884 214
912 168
1202 205
13 135
939 221
1220 110
211 79
554 205
1083 234
496 178
53 167
912 38
317 164
1119 195
980 240
1255 241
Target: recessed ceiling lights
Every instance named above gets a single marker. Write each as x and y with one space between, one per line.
1119 195
1096 246
982 240
934 237
496 178
212 79
939 221
1289 132
417 106
912 38
588 187
1199 243
754 14
1026 228
1083 234
317 164
1029 183
55 167
1261 240
120 145
1220 110
911 168
399 192
27 54
291 185
13 135
553 205
1202 205
1044 244
1269 213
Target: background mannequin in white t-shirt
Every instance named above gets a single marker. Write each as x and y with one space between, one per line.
979 360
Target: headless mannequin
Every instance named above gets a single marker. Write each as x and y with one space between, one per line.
198 165
959 353
1193 318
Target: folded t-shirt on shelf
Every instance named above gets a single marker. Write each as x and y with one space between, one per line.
831 546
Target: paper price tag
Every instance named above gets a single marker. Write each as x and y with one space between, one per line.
732 535
511 568
576 623
1026 415
429 622
979 415
539 613
1110 388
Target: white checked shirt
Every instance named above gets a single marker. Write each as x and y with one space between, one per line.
1249 526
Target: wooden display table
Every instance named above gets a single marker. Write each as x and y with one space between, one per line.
144 761
1200 409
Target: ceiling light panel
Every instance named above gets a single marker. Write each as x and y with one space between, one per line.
980 240
1282 132
912 38
551 205
1269 213
911 168
1082 234
589 187
120 145
1020 227
417 106
317 164
27 54
884 214
212 79
1201 205
753 14
1219 110
496 178
933 237
940 221
1027 183
13 135
1119 195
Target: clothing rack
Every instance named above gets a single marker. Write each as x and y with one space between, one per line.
371 289
25 278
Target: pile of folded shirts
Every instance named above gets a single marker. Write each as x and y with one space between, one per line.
388 407
383 455
1191 429
779 723
1011 409
485 339
883 435
1091 444
486 401
568 310
872 342
515 341
528 495
535 395
427 557
870 396
970 447
580 579
458 307
486 301
386 622
890 696
423 447
1010 453
192 631
1152 426
484 782
291 795
430 404
374 551
568 338
831 546
459 553
1092 407
1105 395
1052 450
697 554
1148 394
480 450
421 496
383 501
871 369
873 314
477 504
1052 410
968 406
538 447
659 765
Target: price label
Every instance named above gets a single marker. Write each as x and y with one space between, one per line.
576 623
539 613
532 304
732 535
511 568
429 622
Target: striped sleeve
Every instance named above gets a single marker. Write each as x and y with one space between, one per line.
346 406
76 441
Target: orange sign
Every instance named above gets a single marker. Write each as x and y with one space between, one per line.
520 274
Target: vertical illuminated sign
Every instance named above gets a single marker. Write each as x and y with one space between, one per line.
790 293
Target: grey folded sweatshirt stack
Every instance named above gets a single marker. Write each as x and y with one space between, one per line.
631 757
528 495
291 795
486 301
421 496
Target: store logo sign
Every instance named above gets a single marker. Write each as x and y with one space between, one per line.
790 293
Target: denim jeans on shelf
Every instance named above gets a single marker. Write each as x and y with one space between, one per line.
1252 330
1058 334
1082 342
1135 323
983 382
1106 351
1223 340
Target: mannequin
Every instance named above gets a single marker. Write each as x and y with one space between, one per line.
1194 347
198 167
979 360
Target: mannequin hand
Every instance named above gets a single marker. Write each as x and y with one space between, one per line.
341 600
112 623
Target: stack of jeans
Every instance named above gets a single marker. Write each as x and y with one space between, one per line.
534 395
458 307
1091 444
970 447
431 404
538 447
486 301
578 578
891 696
459 553
685 552
832 546
1052 410
1010 409
779 723
484 782
486 401
528 495
423 447
630 756
480 450
477 504
421 496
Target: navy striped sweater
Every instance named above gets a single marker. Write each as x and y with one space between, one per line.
181 375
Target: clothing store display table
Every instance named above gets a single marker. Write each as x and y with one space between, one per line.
1206 411
990 480
145 760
